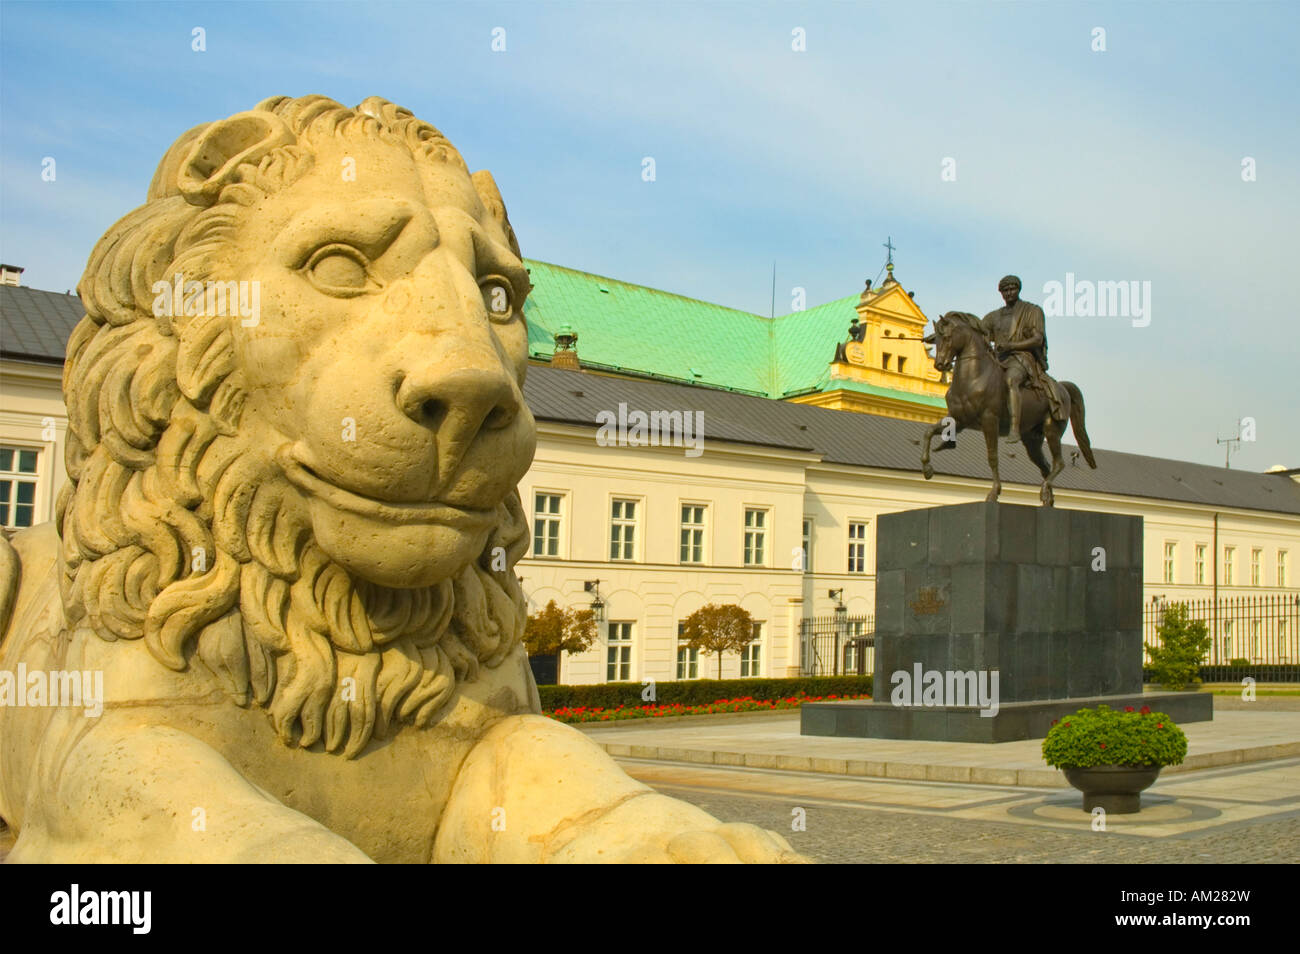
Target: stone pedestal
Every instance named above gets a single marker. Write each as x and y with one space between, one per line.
1049 601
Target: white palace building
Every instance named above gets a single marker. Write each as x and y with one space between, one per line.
780 446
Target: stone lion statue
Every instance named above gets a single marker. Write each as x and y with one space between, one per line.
287 543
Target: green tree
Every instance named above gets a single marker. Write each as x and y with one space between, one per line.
552 630
1176 661
718 629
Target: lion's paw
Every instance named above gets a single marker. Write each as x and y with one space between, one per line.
735 843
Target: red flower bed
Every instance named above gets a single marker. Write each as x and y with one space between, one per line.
653 711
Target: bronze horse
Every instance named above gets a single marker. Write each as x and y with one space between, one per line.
977 397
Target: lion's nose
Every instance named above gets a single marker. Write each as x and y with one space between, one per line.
458 406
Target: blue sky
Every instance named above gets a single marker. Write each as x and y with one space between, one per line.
1116 166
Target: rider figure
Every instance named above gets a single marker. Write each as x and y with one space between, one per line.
1018 334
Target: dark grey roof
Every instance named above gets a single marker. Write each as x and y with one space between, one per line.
866 440
35 325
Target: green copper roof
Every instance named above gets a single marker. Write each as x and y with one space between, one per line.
632 328
805 343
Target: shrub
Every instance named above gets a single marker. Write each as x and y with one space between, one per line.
609 695
718 629
1260 672
1176 659
658 711
1106 736
551 630
1241 661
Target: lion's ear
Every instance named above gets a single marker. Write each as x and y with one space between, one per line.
490 195
222 147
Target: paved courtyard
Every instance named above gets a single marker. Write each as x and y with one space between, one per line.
1225 816
1242 811
773 742
1245 810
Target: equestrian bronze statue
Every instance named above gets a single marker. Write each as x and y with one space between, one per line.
1001 386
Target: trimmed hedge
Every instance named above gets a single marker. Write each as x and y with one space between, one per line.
699 691
1260 672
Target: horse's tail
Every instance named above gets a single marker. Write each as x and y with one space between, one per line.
1076 421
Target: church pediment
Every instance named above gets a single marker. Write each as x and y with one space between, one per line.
892 302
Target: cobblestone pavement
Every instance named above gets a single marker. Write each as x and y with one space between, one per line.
1259 704
847 834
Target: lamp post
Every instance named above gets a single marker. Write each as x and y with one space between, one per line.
841 620
597 604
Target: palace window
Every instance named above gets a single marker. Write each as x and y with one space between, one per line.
1281 640
688 660
755 537
1256 571
902 363
807 544
692 538
1229 558
1227 639
1200 564
884 360
546 525
1171 551
622 534
618 658
857 548
1281 568
18 467
1254 639
751 657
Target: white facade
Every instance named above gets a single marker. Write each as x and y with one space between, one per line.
746 508
655 589
33 420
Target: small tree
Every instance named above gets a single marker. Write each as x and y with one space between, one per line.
719 629
1176 661
551 631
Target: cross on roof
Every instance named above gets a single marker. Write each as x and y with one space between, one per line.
889 244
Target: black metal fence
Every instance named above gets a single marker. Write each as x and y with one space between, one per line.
1247 633
837 645
1257 636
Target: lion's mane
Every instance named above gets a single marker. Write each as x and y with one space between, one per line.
176 531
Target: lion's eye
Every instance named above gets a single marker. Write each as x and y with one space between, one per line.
340 270
498 298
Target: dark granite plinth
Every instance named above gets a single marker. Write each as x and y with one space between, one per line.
1013 721
1048 600
997 586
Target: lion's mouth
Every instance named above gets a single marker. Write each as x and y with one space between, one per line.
302 476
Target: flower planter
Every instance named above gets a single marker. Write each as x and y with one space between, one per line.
1115 788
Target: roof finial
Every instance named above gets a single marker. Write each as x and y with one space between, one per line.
565 354
889 263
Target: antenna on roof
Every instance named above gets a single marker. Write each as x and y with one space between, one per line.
1232 444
